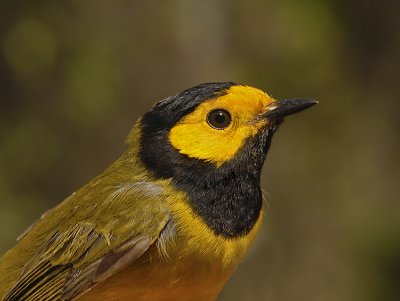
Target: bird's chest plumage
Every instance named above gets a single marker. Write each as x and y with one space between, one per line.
182 277
197 265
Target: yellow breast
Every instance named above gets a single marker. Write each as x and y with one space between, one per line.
197 266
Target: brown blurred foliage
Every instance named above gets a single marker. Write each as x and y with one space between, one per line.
75 75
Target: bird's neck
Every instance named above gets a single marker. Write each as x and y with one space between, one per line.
228 197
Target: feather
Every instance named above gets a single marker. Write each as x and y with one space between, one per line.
77 256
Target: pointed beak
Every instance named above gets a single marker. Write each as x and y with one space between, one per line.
278 109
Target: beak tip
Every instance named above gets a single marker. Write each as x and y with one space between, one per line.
310 102
304 101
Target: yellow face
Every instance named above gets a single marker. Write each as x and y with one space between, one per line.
235 114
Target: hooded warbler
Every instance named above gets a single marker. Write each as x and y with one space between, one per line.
170 219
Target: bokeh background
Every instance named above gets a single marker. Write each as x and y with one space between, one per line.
75 75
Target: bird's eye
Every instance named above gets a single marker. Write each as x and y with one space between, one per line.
219 119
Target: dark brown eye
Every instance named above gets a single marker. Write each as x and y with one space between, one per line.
219 119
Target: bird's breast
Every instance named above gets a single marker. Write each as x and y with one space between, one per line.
181 278
194 266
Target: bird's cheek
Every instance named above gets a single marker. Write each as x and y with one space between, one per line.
217 147
209 145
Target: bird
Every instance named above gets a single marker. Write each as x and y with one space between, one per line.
170 219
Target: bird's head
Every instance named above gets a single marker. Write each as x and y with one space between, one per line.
212 123
211 141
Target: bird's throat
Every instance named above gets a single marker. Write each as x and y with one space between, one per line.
228 198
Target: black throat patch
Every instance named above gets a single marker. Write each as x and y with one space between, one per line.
227 198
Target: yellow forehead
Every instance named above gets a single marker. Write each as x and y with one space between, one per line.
242 102
194 137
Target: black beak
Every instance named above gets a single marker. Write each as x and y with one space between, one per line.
277 110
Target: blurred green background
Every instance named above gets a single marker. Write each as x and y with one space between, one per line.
75 75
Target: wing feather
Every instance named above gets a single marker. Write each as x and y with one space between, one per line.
76 257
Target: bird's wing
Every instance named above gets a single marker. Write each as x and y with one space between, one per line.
76 257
